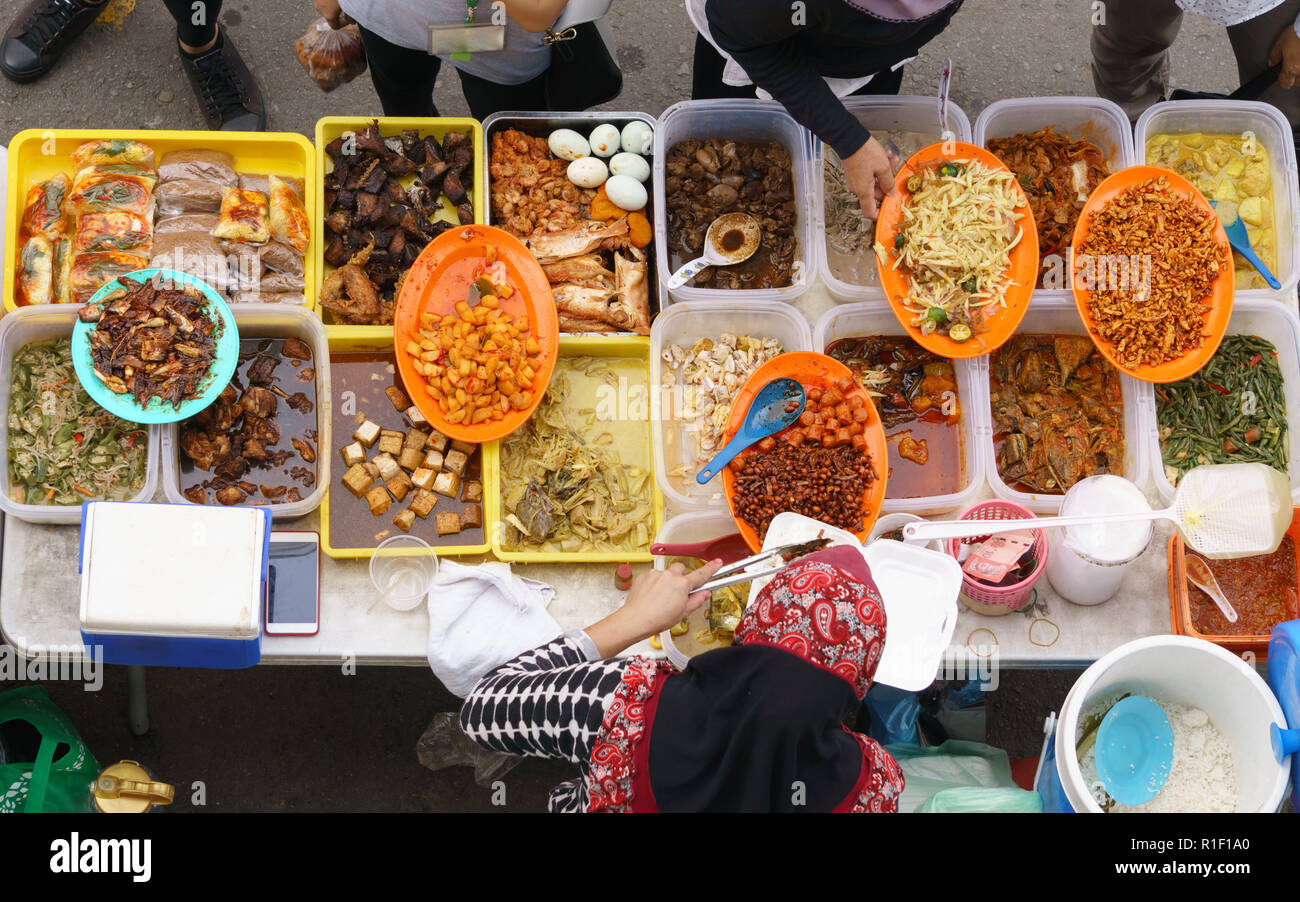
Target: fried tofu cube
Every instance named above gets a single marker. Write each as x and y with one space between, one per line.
471 517
354 454
423 477
433 461
437 442
372 468
416 417
388 467
390 441
357 481
378 500
472 492
415 439
446 484
456 461
411 458
405 520
465 448
447 524
398 397
423 502
399 485
366 433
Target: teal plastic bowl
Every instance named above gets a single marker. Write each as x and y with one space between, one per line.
158 410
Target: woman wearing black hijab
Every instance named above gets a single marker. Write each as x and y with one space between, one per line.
754 727
808 55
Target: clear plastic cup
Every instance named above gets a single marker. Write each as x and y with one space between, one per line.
405 575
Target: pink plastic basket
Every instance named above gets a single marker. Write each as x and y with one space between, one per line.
995 600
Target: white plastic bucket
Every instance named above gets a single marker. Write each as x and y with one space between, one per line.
1185 671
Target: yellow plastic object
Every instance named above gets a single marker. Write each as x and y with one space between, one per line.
616 346
37 154
331 127
345 339
127 788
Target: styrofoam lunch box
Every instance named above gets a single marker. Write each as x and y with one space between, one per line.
684 324
740 120
1275 323
18 329
879 114
1091 119
154 593
1273 131
1060 317
258 321
876 318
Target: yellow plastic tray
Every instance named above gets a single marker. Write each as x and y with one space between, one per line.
635 346
38 154
363 338
329 128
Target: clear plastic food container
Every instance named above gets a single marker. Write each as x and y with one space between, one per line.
1272 130
1273 322
741 120
266 321
876 318
880 114
1060 317
684 324
18 329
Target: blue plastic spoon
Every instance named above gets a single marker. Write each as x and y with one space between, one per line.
1240 241
1135 749
776 406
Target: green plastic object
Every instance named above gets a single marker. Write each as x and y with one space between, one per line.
61 785
960 776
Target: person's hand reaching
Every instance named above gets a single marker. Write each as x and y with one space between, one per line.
870 175
1286 50
657 600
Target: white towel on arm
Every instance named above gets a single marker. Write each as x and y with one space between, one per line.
482 616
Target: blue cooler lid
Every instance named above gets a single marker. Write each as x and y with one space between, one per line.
1284 680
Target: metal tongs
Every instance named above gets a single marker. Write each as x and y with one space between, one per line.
732 573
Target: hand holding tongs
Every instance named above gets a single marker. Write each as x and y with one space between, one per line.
733 573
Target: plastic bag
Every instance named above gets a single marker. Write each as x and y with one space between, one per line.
960 776
53 771
332 57
444 744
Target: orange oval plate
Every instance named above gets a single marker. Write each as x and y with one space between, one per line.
1216 321
439 278
1023 270
809 369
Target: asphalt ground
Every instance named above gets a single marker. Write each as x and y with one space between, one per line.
280 738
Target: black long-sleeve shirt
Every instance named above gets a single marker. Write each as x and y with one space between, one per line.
787 49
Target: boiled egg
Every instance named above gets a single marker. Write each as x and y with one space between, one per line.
625 192
589 172
567 144
638 138
604 140
630 164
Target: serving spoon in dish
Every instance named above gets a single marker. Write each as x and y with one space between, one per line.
732 238
1240 240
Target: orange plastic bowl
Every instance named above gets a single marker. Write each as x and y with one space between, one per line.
1022 273
439 278
1216 321
809 369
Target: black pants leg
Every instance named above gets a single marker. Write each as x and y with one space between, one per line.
403 78
486 97
196 20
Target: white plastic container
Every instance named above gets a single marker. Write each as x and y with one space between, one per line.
1183 671
1087 564
1047 316
740 120
880 114
877 318
17 330
684 324
256 321
887 523
1276 323
1273 131
696 526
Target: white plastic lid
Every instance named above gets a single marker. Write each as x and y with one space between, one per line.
919 588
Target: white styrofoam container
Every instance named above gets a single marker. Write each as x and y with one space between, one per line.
878 113
1276 323
1060 317
1273 131
18 329
695 526
256 321
877 318
684 324
740 120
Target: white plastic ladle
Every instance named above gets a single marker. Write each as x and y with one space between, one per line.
714 253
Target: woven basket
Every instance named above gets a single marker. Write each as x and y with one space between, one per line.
996 600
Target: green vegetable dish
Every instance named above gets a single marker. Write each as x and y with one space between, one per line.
63 447
1232 411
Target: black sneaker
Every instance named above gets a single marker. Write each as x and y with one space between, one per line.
226 90
40 33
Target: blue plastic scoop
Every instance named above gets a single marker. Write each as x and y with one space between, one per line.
776 406
1135 749
1240 241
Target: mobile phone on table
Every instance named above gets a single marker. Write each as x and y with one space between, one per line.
293 584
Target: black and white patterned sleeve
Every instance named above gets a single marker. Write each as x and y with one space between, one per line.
547 702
